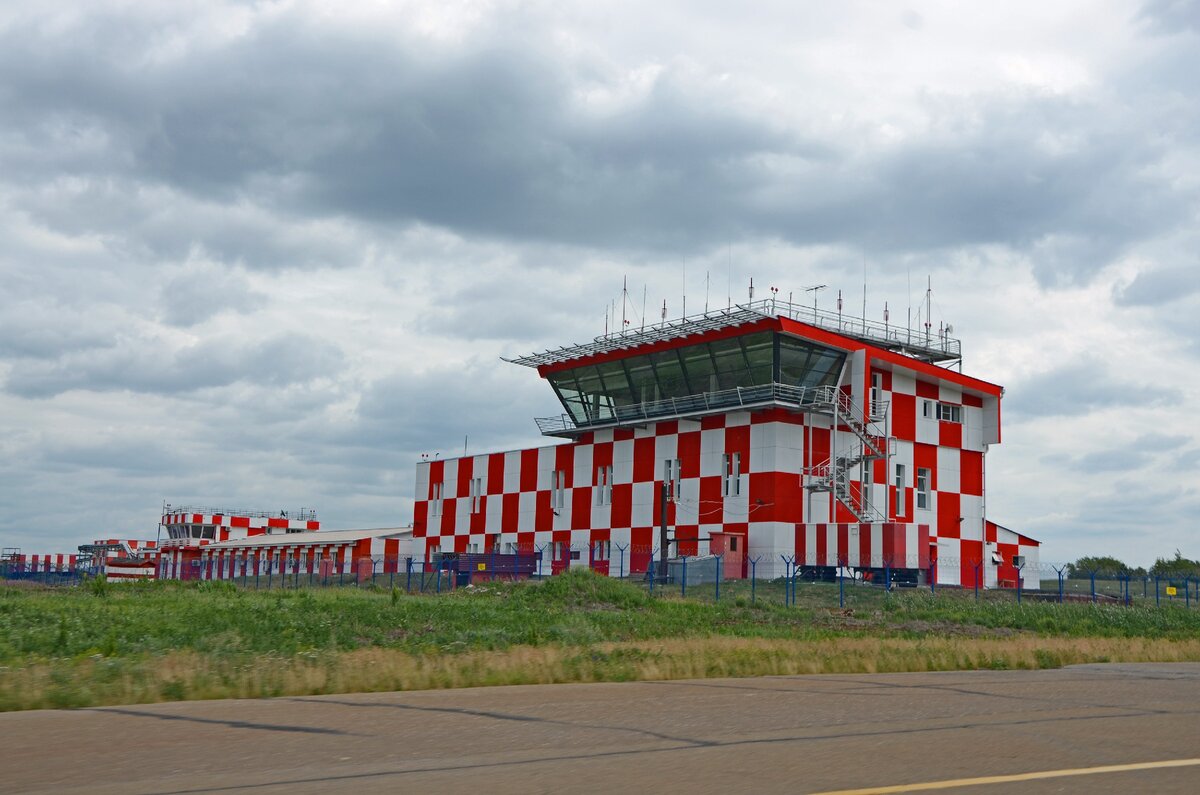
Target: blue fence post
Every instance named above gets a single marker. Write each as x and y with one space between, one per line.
789 582
753 578
652 571
978 565
408 574
1157 603
1020 580
933 575
1060 571
1092 575
717 585
887 574
537 551
683 576
841 584
621 550
1187 592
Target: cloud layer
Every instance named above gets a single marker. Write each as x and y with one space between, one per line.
271 252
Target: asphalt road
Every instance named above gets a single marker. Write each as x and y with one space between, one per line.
774 734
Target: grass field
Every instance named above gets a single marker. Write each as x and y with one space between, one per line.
98 644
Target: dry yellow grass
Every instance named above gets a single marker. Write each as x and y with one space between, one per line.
187 675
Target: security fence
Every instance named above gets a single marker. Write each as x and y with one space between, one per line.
696 573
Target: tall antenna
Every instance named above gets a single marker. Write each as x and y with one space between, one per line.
707 284
908 320
624 300
729 279
751 289
684 290
864 312
643 307
928 301
664 312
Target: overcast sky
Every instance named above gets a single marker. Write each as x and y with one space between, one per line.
267 254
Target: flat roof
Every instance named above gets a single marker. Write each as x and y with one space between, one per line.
911 343
310 537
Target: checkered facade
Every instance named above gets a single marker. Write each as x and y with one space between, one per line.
745 473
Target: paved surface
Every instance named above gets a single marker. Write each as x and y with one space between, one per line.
776 734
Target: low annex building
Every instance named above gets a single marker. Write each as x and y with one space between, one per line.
767 432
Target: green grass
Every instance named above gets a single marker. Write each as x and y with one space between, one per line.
164 641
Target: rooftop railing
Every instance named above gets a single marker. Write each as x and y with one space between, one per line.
303 515
925 345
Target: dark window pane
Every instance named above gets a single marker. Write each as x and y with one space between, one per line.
760 354
641 373
616 382
808 365
670 374
567 387
730 362
596 403
699 365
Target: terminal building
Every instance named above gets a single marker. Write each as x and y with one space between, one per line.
768 432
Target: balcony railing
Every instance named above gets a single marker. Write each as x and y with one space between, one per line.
820 398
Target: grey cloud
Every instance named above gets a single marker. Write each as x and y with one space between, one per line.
1077 388
1170 16
1159 286
202 291
1132 456
149 367
492 139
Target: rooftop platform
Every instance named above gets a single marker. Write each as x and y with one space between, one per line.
927 347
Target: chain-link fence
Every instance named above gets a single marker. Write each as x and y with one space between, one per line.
695 570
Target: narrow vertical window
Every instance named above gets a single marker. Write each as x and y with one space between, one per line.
672 479
603 489
476 494
558 489
900 493
923 488
435 501
733 474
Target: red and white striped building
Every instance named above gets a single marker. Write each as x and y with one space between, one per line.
190 530
768 431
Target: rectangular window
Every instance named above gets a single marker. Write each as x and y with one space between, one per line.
476 494
949 413
923 480
600 550
733 475
877 395
558 489
927 410
510 548
671 477
900 506
435 500
604 475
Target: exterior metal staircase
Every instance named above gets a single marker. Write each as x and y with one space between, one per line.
833 474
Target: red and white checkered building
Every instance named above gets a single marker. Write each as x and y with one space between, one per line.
771 431
190 530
